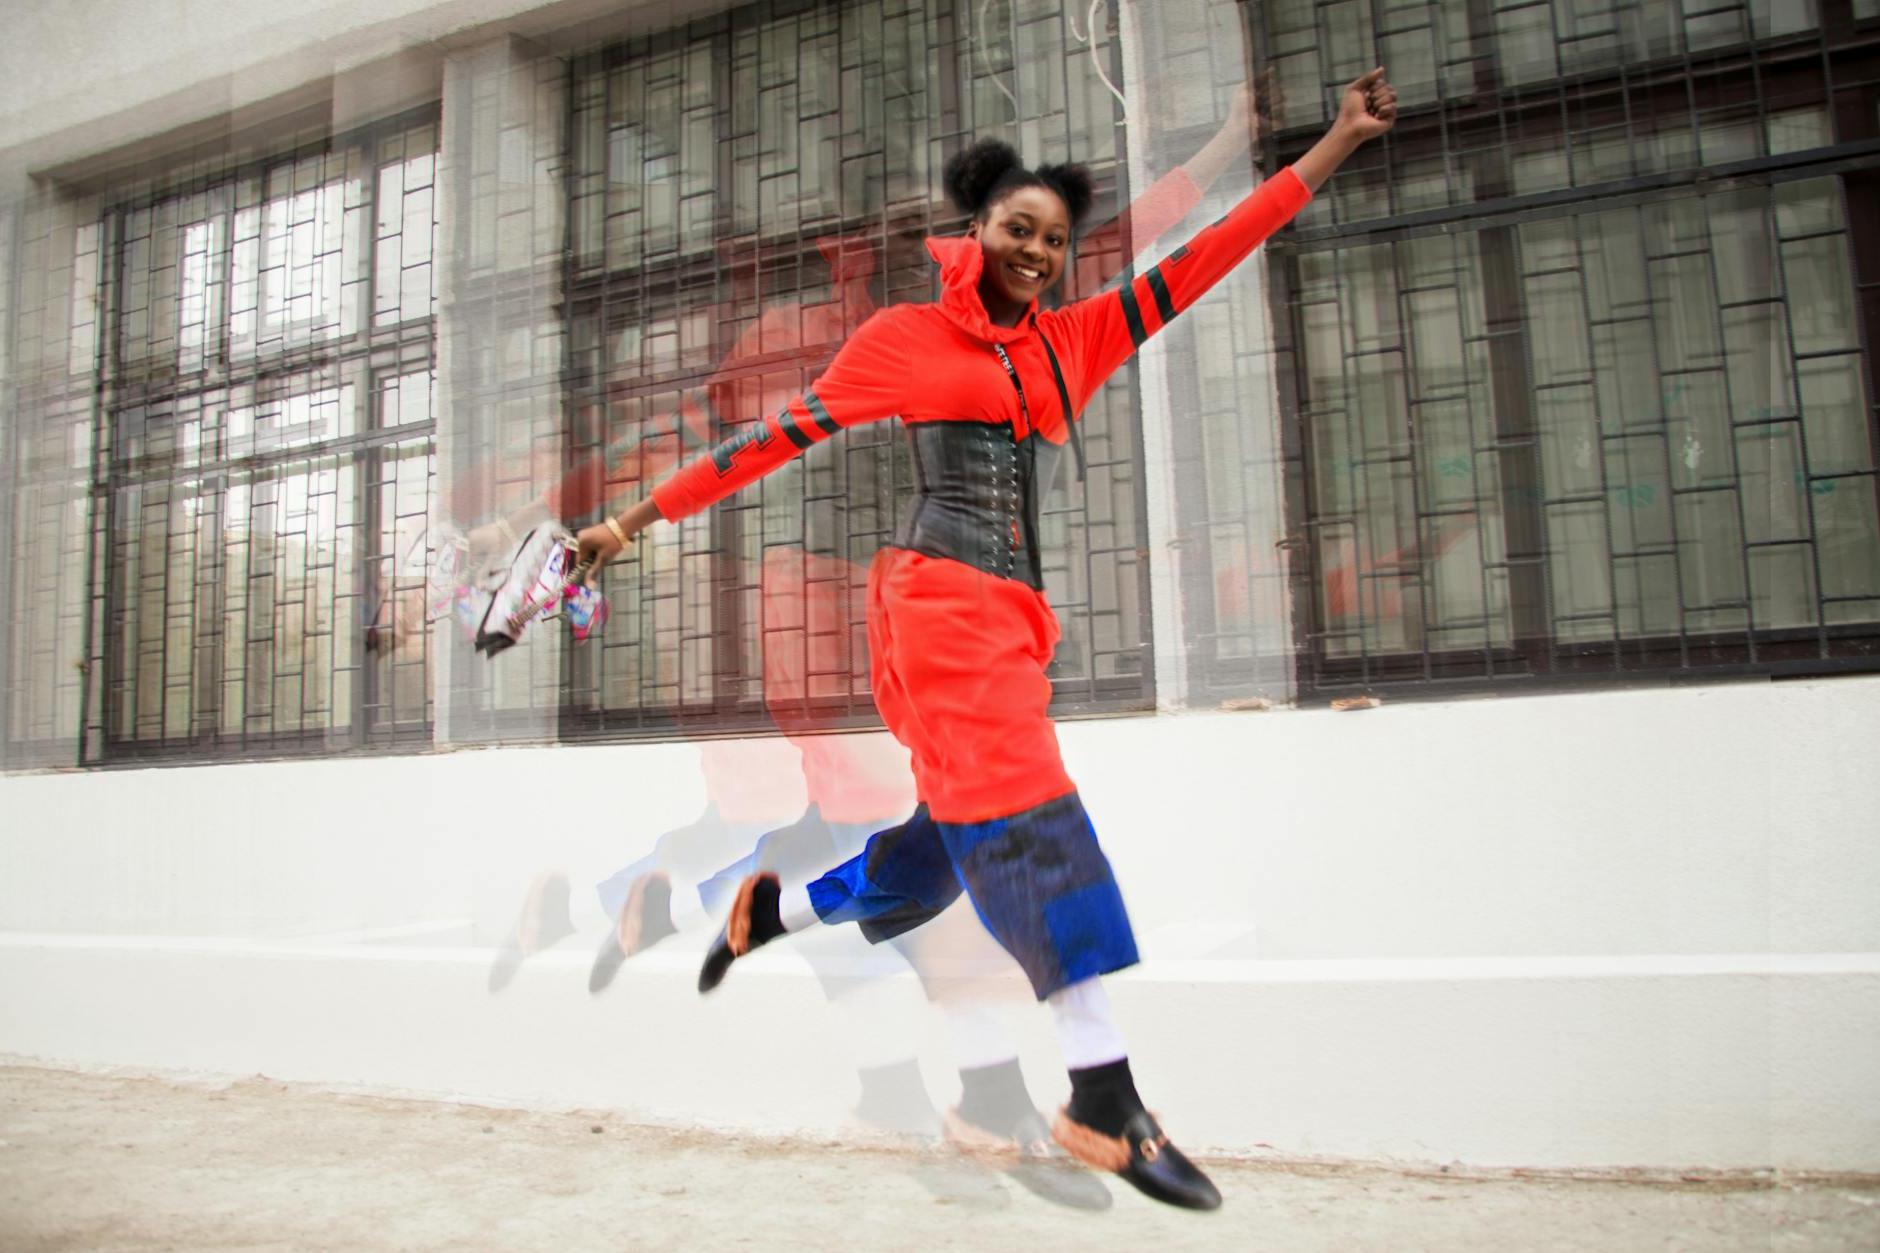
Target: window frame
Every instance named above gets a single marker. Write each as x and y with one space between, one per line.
360 360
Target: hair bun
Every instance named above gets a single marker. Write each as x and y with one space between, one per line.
1071 182
971 175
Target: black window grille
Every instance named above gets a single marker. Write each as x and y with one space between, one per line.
1580 377
744 191
1576 370
265 472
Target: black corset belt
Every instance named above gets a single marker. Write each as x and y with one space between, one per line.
976 493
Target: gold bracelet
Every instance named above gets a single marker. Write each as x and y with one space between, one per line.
613 524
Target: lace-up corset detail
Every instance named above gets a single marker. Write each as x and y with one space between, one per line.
975 497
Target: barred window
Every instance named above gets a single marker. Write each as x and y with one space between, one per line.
268 467
1580 360
744 192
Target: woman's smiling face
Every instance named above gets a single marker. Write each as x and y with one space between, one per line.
1026 236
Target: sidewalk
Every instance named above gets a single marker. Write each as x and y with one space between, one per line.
98 1162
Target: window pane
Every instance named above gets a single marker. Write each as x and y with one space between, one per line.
163 537
1845 518
172 262
402 282
291 421
298 258
1835 414
290 549
403 598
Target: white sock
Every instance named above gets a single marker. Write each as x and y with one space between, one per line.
794 908
1086 1026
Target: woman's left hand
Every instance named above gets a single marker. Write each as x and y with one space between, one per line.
1369 106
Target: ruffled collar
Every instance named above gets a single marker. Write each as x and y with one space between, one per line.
962 261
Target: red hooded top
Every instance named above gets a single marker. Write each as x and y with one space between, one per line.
935 362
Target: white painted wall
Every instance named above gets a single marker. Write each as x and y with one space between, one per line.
1623 929
1691 821
90 76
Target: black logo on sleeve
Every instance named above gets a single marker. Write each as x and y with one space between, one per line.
758 435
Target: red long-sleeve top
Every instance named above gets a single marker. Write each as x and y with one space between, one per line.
818 329
935 362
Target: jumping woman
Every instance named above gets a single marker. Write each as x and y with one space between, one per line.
988 386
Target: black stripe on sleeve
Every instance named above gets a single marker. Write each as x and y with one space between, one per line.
1163 305
818 414
1132 313
786 421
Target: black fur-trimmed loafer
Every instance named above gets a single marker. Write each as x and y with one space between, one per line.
735 938
1143 1157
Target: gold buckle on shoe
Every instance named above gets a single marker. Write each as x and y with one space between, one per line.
1150 1150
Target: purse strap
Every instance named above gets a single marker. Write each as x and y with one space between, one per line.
1064 397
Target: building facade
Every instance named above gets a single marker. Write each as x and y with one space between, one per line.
1563 395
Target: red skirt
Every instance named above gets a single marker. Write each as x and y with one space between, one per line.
958 662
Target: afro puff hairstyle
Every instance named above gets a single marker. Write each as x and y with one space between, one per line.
989 171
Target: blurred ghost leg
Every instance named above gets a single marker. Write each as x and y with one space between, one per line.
901 879
656 897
